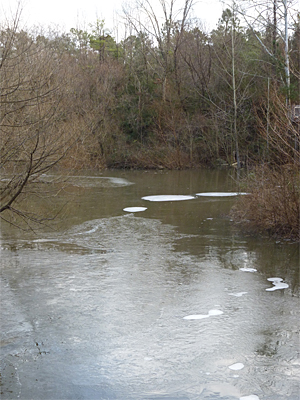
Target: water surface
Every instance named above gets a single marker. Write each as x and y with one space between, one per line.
98 308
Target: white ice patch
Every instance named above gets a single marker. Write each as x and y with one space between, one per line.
236 367
202 316
215 312
171 197
134 209
248 269
196 316
220 194
239 294
251 397
275 279
278 284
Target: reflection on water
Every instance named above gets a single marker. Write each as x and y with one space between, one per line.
152 305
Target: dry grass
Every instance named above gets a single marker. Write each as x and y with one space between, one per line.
273 205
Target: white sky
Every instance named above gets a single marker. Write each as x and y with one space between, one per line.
73 13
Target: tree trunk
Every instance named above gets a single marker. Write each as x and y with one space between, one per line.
235 133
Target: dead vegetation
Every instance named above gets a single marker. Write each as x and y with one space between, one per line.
274 203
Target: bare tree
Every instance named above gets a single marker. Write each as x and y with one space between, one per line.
32 136
160 25
283 13
282 132
232 83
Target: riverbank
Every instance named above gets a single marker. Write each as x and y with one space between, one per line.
273 207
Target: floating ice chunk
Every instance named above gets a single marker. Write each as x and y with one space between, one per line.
215 312
240 294
220 194
196 316
281 285
134 209
236 367
275 279
277 286
171 197
251 397
248 269
202 316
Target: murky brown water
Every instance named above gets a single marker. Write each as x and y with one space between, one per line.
97 308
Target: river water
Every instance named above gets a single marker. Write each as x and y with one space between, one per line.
166 303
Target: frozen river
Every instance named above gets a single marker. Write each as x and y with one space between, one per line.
163 301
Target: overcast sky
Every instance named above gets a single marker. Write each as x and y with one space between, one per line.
72 13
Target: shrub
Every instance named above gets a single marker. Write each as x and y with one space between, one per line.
273 204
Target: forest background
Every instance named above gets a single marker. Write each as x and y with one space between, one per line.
168 95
